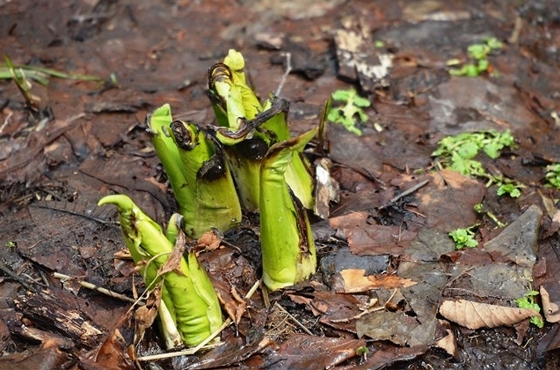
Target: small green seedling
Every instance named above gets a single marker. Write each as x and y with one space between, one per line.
468 144
464 237
458 153
10 244
379 44
351 112
363 352
478 53
512 189
22 75
528 301
39 74
553 176
479 208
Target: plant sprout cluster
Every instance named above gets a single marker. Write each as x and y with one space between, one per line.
351 112
247 163
478 53
553 176
458 153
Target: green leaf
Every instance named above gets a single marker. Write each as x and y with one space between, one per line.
379 44
363 350
478 51
468 150
472 70
464 237
528 301
493 43
459 150
471 243
351 112
343 95
553 176
482 65
511 189
492 150
361 102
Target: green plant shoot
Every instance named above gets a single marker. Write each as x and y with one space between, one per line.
249 129
458 152
189 303
464 237
288 248
216 205
528 301
158 124
478 53
351 112
552 176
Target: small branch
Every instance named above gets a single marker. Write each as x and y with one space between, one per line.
368 310
78 214
409 191
16 277
293 318
286 73
101 290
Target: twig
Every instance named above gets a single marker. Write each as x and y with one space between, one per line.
293 318
78 214
518 25
253 289
6 122
286 73
101 290
409 191
369 310
16 277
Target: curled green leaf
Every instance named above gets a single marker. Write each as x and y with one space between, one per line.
187 292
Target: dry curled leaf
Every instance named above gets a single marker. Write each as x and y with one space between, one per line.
449 342
551 308
474 315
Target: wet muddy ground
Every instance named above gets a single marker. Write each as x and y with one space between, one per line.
392 291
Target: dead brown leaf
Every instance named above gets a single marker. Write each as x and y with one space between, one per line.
449 342
546 276
551 309
40 359
113 353
356 281
474 315
396 327
144 316
336 310
369 239
173 263
209 240
448 200
307 352
116 352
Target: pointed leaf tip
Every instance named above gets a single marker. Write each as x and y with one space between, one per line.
120 200
163 111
